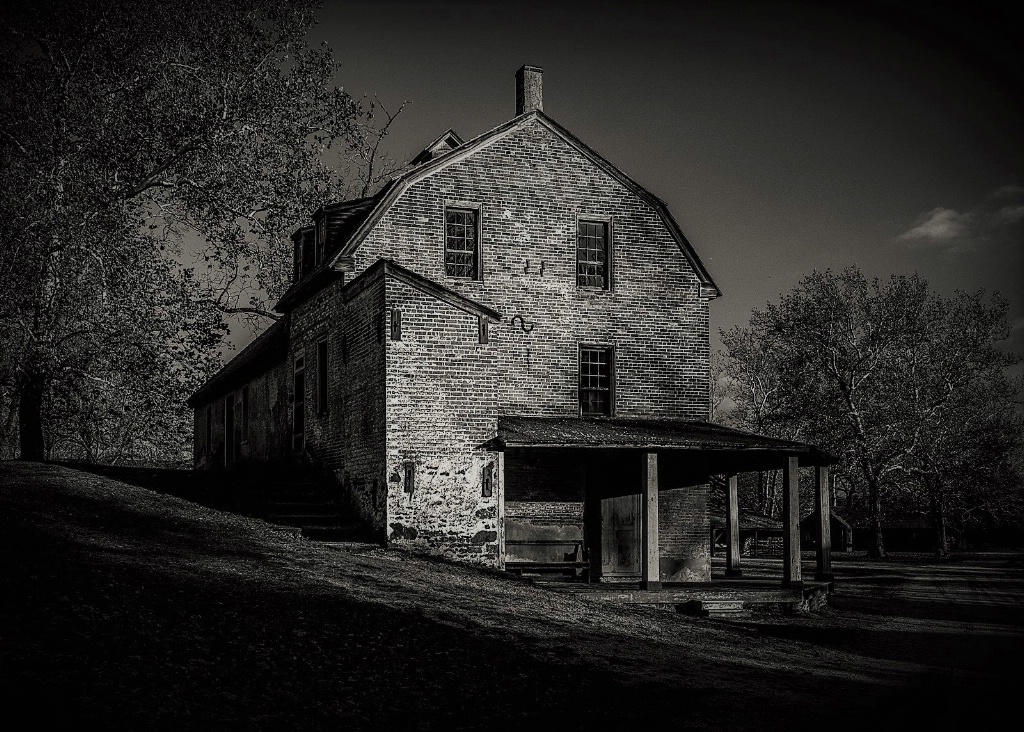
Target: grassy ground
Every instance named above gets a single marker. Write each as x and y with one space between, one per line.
137 609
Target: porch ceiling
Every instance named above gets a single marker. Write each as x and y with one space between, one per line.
724 449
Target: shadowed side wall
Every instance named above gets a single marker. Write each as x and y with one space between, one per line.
346 435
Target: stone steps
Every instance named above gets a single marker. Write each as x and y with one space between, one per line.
719 609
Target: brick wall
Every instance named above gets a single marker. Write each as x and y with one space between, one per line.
530 187
445 390
347 436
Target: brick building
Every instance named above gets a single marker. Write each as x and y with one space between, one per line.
502 356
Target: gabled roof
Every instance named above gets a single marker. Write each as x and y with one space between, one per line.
268 348
271 346
448 140
812 518
748 520
342 258
421 283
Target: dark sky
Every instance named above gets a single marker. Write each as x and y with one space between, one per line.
783 137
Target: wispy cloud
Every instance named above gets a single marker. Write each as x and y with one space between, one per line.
938 225
949 230
1010 191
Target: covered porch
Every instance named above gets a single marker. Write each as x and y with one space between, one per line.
621 505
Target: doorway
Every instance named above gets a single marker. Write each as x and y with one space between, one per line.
612 516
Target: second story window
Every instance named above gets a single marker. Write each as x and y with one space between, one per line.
308 252
592 254
597 365
321 239
461 243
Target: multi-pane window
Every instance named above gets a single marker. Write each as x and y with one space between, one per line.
461 245
596 376
592 264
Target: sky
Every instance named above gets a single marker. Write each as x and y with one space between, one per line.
784 138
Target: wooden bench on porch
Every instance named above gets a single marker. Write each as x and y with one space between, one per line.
573 561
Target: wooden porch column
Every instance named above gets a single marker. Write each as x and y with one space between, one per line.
651 557
499 486
732 528
824 507
791 576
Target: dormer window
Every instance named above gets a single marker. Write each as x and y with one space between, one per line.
462 243
321 239
308 253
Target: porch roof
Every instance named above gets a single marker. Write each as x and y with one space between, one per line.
721 447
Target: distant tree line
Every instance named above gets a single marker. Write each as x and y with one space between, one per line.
154 159
910 391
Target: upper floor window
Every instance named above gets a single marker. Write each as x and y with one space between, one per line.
321 239
307 253
461 243
597 366
592 254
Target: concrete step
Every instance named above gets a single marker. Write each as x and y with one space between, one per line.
722 609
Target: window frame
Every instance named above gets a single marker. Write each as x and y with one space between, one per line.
307 261
609 351
476 211
320 241
409 476
609 251
487 481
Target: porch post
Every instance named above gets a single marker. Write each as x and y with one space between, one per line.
499 486
732 527
651 558
824 507
791 576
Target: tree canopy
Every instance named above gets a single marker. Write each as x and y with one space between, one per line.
909 389
154 157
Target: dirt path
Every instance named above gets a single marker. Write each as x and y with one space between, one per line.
142 610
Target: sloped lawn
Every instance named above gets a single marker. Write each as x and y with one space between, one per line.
139 610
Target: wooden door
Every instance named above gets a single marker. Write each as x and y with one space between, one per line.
620 536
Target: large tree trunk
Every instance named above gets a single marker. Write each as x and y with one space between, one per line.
30 417
876 550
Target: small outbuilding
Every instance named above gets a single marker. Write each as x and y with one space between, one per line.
842 532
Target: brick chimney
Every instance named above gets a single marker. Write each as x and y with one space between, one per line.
529 90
